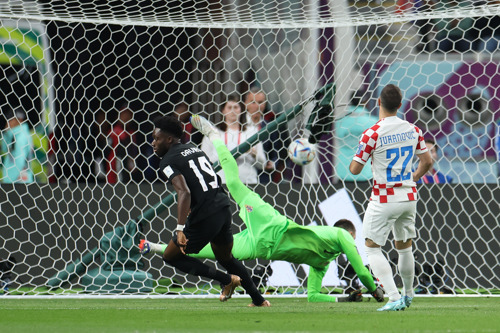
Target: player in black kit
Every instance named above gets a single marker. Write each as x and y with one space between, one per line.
203 212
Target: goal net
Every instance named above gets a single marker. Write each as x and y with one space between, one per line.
81 82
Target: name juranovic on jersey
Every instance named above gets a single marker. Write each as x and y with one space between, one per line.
394 138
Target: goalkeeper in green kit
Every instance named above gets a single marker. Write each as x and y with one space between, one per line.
272 236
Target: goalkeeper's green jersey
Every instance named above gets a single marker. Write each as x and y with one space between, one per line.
315 246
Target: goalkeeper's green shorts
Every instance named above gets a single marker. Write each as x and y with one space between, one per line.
265 224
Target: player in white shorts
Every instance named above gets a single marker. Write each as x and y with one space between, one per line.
392 143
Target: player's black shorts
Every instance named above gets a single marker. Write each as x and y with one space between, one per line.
215 228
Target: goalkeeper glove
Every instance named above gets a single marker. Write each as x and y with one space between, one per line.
378 294
354 296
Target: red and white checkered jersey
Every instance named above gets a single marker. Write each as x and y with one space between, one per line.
392 144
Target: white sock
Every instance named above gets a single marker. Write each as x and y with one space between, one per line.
208 129
406 266
383 272
157 248
214 136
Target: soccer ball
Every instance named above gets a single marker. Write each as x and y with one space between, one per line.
301 152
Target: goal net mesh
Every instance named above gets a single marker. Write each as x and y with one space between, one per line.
82 81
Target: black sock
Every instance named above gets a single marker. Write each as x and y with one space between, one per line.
194 266
236 267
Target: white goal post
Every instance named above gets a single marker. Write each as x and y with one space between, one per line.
87 78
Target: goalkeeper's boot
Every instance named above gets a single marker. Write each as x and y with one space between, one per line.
264 304
228 290
144 247
398 305
407 300
205 127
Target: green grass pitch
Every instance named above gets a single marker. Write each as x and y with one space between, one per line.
427 314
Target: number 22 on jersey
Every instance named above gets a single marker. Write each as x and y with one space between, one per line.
206 167
396 154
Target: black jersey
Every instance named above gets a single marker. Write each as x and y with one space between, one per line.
207 195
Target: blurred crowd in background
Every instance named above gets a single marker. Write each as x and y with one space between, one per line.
108 140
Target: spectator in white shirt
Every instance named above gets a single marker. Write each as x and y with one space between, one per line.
259 115
234 132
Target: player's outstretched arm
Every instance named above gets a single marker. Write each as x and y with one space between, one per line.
363 273
349 248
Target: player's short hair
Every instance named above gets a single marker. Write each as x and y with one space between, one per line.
391 97
345 224
170 125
